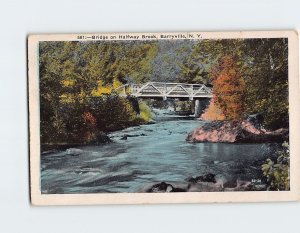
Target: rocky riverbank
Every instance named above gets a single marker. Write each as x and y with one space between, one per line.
236 131
100 138
204 183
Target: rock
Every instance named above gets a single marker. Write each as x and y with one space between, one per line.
205 183
74 151
242 186
150 122
242 183
164 187
235 131
256 120
161 187
123 137
49 152
149 130
126 136
205 178
101 138
205 187
178 190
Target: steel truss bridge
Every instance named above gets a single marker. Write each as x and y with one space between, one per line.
167 90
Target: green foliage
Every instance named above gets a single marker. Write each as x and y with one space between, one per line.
72 73
77 80
267 80
145 112
183 105
191 73
169 57
112 112
205 54
80 123
278 172
263 65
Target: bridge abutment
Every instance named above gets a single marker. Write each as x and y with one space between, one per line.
197 108
200 106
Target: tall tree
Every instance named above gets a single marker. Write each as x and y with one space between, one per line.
267 80
204 55
229 88
166 65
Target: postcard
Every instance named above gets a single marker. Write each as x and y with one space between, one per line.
148 118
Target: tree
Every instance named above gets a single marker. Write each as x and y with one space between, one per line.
192 73
204 55
212 112
166 65
228 88
73 73
262 64
267 80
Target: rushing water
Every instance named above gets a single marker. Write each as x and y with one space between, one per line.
151 153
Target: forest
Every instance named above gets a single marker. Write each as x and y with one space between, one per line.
79 81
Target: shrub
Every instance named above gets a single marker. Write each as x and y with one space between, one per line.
212 112
81 122
278 172
145 112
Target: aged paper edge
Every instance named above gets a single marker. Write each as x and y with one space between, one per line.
148 198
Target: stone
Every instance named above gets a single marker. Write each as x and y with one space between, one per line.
164 187
161 187
101 138
123 137
236 132
205 178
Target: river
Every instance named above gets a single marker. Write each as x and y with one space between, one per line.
151 153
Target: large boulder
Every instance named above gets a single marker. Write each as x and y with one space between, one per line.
235 131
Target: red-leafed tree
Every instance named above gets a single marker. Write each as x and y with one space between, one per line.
228 88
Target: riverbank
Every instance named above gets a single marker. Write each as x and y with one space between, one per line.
100 139
204 183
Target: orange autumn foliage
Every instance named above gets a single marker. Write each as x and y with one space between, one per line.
89 119
229 89
212 113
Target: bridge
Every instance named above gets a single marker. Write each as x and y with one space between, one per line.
166 91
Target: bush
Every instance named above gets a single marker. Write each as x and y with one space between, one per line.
212 113
278 172
145 112
81 122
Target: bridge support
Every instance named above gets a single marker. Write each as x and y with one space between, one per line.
197 108
200 106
